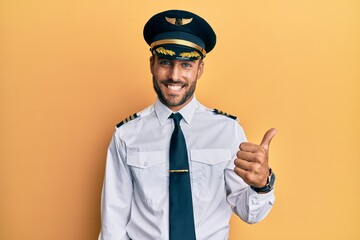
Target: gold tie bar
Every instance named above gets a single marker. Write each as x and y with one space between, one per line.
179 171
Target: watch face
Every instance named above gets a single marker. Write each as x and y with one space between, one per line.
272 180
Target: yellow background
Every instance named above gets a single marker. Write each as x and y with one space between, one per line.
71 70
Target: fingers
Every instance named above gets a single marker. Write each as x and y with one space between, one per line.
241 172
257 156
252 160
254 167
243 164
250 147
268 137
255 180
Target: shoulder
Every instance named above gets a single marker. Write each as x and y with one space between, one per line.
126 120
135 117
216 113
219 112
224 125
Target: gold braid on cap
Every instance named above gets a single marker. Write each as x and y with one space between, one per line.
193 54
164 51
179 42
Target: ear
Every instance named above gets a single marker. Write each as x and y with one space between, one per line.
200 69
152 61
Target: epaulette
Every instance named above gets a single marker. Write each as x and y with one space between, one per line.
128 119
224 113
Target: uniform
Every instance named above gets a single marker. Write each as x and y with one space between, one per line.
135 192
137 187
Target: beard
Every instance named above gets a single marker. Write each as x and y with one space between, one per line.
173 100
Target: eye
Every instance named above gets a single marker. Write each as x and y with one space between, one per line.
165 62
186 65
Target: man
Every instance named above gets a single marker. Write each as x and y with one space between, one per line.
177 169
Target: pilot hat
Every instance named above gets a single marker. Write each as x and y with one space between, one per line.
179 35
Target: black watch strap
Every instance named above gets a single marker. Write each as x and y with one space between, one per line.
269 185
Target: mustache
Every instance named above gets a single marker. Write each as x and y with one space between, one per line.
171 81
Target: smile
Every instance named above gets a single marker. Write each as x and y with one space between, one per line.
174 87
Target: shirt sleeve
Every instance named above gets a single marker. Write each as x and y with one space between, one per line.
250 206
116 194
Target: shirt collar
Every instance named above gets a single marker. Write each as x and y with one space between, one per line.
163 112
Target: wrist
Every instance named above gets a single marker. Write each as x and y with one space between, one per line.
269 184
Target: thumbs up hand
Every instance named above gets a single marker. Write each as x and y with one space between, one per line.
252 161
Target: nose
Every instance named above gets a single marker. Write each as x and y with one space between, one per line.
174 73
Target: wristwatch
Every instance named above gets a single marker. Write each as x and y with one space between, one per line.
269 185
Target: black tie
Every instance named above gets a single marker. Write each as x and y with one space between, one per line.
181 215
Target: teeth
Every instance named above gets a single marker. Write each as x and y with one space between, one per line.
174 87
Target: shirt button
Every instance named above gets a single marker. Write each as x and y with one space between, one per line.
145 164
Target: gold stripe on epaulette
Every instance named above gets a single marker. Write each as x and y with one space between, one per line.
126 120
224 113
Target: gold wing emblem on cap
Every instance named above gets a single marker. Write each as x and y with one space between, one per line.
178 21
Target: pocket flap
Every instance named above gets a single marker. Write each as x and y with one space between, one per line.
146 159
210 156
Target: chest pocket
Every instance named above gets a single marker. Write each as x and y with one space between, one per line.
150 175
208 168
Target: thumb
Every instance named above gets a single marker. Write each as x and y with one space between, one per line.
267 138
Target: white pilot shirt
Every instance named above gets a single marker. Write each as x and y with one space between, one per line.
135 196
